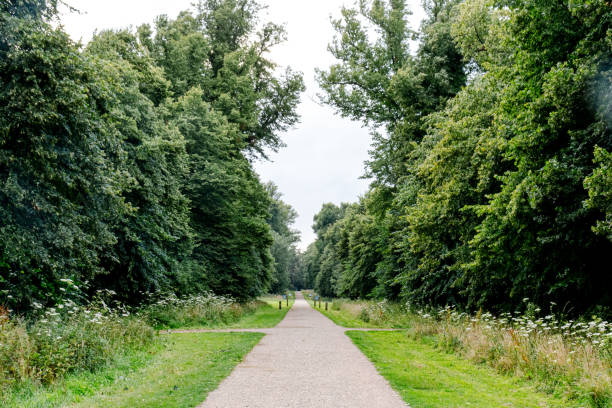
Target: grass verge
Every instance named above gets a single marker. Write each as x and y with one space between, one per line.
428 378
74 351
572 359
267 314
353 314
180 373
264 314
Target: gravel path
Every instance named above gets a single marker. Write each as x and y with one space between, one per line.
305 361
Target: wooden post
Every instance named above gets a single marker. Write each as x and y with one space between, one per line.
287 300
280 304
325 305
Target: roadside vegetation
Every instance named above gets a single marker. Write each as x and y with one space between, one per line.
570 359
178 372
490 186
426 378
126 172
69 351
491 164
126 163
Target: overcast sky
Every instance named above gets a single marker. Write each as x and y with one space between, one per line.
324 157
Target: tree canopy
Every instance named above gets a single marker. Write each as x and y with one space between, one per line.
490 162
126 165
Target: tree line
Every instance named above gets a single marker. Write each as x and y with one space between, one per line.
126 164
491 164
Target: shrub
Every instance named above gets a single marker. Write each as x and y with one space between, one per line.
572 357
202 310
364 315
65 339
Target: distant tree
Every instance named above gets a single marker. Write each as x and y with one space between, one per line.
281 218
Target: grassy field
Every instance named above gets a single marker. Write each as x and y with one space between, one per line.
351 314
178 370
267 314
178 373
428 378
571 359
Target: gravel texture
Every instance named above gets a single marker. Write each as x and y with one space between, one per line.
305 361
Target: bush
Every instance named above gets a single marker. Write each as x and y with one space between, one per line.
201 310
65 339
572 357
364 315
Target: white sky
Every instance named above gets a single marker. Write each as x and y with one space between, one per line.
324 156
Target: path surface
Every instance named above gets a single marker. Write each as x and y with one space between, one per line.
305 361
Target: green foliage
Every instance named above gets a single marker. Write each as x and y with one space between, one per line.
66 339
151 240
60 176
218 50
283 250
125 165
33 9
491 178
322 263
599 185
535 239
229 205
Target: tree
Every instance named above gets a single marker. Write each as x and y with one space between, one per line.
229 204
60 185
154 239
125 166
599 186
535 239
281 218
490 182
213 50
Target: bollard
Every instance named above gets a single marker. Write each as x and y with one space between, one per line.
280 304
325 305
287 301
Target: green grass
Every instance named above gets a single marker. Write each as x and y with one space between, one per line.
265 316
178 373
426 377
194 362
348 318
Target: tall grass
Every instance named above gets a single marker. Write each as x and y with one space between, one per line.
69 337
206 309
65 339
572 358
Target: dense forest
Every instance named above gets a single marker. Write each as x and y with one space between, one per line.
126 163
491 167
